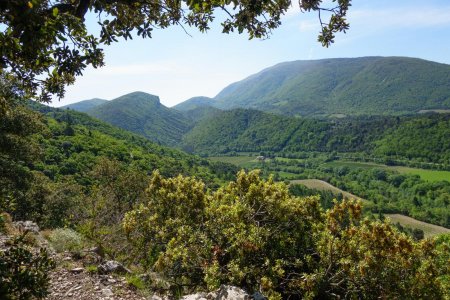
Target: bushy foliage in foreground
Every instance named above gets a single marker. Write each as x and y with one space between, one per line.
252 233
24 274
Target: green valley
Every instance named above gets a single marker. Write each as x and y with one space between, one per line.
320 178
160 189
387 189
64 153
418 140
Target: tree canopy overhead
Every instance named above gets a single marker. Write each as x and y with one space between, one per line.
45 43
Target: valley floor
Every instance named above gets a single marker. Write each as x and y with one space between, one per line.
428 229
292 169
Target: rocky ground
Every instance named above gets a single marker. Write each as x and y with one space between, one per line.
86 276
70 280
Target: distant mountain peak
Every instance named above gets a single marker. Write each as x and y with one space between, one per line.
144 114
353 86
138 95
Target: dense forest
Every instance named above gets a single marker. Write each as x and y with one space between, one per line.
407 139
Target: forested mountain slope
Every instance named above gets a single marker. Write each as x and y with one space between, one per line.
85 105
200 113
143 114
420 137
194 103
50 161
71 137
350 86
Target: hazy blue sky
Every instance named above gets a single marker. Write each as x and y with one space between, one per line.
176 66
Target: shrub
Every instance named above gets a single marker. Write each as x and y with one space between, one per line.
24 275
253 234
135 281
5 223
92 269
64 239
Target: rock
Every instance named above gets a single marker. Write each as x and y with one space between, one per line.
258 296
27 226
225 292
112 266
77 270
107 292
228 292
97 250
198 296
157 297
111 280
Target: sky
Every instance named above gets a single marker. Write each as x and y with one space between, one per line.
177 66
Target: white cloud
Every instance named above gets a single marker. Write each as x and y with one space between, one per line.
370 20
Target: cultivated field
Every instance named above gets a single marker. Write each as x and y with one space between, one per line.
425 174
324 186
235 160
429 175
428 229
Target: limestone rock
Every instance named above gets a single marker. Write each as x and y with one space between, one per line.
228 292
199 296
225 292
77 270
27 226
112 266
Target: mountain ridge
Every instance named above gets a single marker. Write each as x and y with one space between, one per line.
144 114
372 85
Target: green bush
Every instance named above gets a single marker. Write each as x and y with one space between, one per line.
253 234
5 223
2 224
136 282
24 275
64 239
92 269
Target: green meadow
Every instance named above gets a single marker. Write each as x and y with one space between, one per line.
425 174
